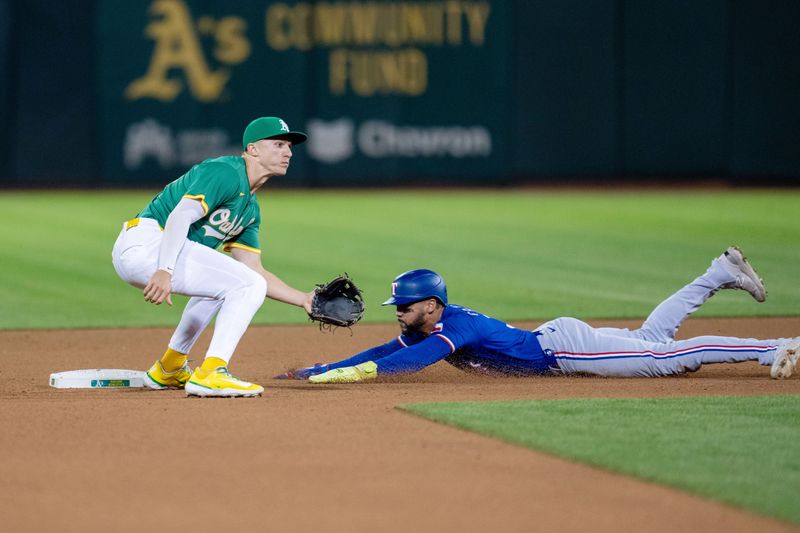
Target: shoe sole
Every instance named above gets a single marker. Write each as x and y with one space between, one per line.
204 392
737 257
151 383
785 362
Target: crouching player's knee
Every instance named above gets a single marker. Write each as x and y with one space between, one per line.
256 288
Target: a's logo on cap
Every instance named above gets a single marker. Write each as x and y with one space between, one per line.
394 289
284 126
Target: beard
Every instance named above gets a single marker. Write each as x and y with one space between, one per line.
413 328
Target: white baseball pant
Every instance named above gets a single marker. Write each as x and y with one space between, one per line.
217 284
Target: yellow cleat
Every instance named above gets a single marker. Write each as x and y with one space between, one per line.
219 383
158 378
349 374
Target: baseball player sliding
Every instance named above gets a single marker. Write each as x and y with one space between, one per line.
433 329
170 247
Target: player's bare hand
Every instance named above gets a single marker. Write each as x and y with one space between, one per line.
309 296
304 373
159 288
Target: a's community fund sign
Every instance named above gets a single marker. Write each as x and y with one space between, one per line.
385 89
376 48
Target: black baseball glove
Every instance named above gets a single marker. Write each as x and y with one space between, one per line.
337 303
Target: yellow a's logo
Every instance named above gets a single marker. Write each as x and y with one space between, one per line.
178 47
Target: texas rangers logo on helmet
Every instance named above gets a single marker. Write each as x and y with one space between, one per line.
394 288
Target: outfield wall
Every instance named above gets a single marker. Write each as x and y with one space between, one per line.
457 91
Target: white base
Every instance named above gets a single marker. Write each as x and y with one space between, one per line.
98 378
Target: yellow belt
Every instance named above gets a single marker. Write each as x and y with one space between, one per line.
132 223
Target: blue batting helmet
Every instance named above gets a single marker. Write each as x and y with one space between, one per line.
416 285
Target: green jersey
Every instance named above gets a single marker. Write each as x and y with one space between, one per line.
231 214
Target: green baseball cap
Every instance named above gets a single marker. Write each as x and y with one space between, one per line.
270 128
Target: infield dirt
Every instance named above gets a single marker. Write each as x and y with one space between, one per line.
321 458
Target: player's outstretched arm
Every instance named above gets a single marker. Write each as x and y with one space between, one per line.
276 288
403 361
373 354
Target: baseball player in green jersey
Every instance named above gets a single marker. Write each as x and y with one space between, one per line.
171 247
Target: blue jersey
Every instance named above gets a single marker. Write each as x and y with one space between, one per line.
466 339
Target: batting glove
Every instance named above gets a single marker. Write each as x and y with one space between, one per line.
349 374
304 373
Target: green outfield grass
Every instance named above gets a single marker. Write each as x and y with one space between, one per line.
738 450
515 254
